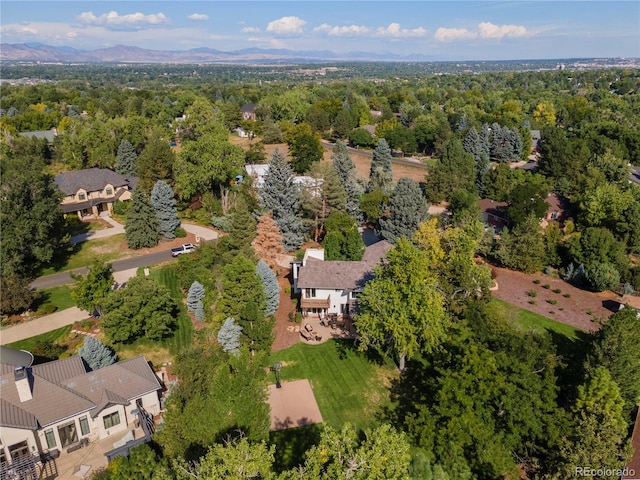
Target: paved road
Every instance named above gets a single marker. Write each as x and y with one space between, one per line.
367 153
63 278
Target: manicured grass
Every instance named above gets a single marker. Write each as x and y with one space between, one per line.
532 321
85 253
348 386
54 336
59 296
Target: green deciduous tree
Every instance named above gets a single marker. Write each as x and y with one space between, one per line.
523 248
126 159
343 240
304 146
402 308
407 208
163 202
142 227
92 289
142 308
381 174
323 195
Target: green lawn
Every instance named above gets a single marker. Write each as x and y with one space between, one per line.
29 344
59 296
532 321
347 385
85 253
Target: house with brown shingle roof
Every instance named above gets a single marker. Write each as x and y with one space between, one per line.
93 190
331 287
58 406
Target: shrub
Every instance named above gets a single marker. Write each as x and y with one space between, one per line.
180 232
222 223
298 317
552 301
589 311
567 295
292 316
119 207
287 289
47 309
532 293
556 290
533 302
537 281
546 286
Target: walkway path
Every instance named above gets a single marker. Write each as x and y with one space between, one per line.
41 325
115 229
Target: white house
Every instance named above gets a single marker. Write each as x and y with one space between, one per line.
328 287
58 406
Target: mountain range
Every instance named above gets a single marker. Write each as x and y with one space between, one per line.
36 52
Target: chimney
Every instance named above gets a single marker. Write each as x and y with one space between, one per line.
23 385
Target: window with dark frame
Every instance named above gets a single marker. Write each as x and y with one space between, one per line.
82 196
111 420
51 438
84 426
68 434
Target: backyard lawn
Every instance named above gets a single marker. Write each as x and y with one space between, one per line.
347 385
527 320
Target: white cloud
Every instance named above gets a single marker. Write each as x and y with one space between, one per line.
250 30
287 26
489 30
130 21
485 30
453 34
346 31
198 17
394 30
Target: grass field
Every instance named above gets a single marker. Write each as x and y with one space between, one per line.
532 321
348 386
59 296
105 250
29 344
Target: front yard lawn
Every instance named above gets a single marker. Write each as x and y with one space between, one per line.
85 253
347 385
59 296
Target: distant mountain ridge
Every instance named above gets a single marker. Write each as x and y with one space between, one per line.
36 52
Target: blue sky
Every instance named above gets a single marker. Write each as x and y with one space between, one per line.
450 30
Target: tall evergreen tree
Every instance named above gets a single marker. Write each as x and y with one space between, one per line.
96 354
407 208
126 159
270 287
199 313
473 143
454 170
323 195
163 202
268 243
229 336
282 197
257 330
195 295
346 171
242 228
381 174
155 163
142 228
240 285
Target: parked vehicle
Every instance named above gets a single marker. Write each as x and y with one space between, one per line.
184 248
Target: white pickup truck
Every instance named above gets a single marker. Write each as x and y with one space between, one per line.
184 248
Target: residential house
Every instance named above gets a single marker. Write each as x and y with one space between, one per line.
632 469
536 138
558 210
332 287
494 213
248 111
91 191
49 135
631 301
56 407
258 171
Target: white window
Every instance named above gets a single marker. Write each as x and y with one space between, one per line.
109 191
82 196
84 425
51 438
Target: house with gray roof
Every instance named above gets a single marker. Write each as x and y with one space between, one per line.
48 135
331 287
56 407
92 191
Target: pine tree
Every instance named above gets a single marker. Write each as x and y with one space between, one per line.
381 175
200 312
142 228
323 196
96 354
473 144
196 294
126 159
229 336
270 287
346 171
163 202
268 242
282 197
407 208
242 228
257 330
240 285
